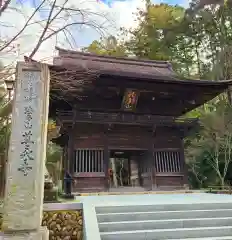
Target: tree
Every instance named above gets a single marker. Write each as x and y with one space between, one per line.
5 111
200 4
155 38
107 46
215 141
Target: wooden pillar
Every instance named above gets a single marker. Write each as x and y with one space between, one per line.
153 157
65 163
106 159
184 165
148 165
151 163
71 143
70 151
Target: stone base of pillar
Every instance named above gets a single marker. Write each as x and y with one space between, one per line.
42 234
68 196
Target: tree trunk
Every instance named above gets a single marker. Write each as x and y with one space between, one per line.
222 182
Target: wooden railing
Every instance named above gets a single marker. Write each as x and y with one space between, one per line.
123 118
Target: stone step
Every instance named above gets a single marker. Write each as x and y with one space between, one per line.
207 238
142 216
163 207
164 224
162 234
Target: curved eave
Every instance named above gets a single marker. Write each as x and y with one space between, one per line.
190 93
164 79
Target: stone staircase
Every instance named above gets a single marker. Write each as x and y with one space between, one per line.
205 221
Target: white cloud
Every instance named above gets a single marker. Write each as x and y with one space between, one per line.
124 11
119 15
185 3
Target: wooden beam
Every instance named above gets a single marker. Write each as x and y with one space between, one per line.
125 119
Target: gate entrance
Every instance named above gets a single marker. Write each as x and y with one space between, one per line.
128 170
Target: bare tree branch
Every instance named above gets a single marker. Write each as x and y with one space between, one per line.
4 6
60 19
44 30
22 29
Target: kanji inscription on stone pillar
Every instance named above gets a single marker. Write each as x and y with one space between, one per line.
23 203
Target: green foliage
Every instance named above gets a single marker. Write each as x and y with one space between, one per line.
54 153
211 148
5 111
154 37
109 46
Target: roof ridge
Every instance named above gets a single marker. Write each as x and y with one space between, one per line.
63 52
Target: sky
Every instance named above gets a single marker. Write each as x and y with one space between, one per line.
119 13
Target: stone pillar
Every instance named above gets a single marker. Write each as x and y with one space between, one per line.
23 203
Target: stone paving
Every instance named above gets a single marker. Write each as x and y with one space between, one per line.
145 199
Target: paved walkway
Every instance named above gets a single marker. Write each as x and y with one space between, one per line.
147 199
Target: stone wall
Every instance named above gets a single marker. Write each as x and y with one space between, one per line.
62 224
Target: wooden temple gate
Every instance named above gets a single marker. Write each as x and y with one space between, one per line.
160 166
129 106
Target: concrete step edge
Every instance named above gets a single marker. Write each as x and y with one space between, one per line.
166 230
150 212
166 220
161 207
205 238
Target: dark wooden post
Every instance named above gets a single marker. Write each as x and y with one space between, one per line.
151 167
70 151
64 164
148 165
106 156
71 142
153 157
184 165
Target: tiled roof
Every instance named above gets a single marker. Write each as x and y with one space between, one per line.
107 64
